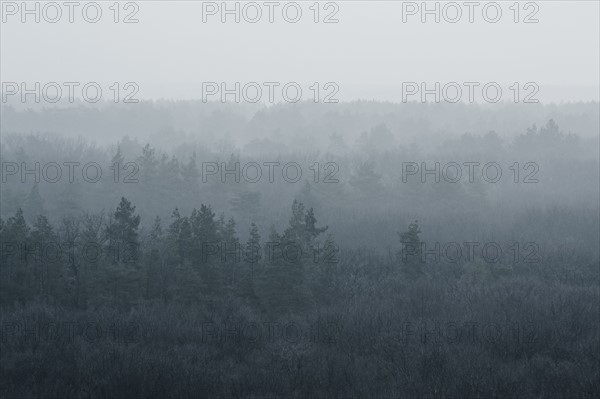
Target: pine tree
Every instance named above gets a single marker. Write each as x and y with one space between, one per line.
254 240
173 236
230 249
184 241
206 226
205 241
252 255
312 231
186 285
295 232
179 239
410 255
123 247
156 231
122 233
153 263
148 163
91 268
46 262
117 159
16 263
69 235
284 281
16 227
117 165
205 232
307 196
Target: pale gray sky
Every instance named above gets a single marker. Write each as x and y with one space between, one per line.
368 53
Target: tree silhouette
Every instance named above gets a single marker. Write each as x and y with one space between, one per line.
412 263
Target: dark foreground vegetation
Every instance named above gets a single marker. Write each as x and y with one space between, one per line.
153 315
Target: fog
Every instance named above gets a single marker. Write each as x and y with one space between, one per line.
354 200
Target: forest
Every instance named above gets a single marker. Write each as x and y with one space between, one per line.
361 249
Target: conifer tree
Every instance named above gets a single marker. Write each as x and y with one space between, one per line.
123 248
184 241
122 233
173 252
206 249
184 281
46 262
410 255
148 163
154 261
16 262
230 250
312 232
284 281
252 255
117 165
117 159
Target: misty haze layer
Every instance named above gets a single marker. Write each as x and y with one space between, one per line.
300 199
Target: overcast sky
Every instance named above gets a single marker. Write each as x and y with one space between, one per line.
368 53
